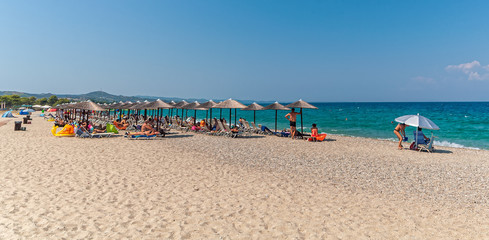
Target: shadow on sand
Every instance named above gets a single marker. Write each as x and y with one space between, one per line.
329 140
178 136
441 151
252 136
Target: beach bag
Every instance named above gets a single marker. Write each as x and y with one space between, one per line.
413 146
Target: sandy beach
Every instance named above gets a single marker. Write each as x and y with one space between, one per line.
193 186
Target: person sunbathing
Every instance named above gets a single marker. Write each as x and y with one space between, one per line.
122 124
84 127
235 129
265 129
146 129
60 122
196 127
99 129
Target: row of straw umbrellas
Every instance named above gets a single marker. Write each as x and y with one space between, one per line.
159 105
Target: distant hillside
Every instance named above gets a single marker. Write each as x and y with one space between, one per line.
97 96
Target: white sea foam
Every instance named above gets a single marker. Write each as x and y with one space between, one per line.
454 145
389 139
438 143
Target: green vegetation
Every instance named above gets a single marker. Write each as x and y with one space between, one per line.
15 101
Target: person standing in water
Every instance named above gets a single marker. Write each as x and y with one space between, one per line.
292 117
400 129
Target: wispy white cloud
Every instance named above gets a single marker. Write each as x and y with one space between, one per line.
474 70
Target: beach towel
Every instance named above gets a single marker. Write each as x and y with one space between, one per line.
111 129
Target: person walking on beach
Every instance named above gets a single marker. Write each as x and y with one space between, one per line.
400 129
292 117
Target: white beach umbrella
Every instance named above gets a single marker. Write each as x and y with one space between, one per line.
417 121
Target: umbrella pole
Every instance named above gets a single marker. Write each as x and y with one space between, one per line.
276 112
158 113
254 116
195 116
210 118
230 117
302 126
235 117
416 140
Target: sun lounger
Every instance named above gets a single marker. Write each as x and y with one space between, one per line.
94 135
247 128
427 146
222 130
256 129
141 137
231 133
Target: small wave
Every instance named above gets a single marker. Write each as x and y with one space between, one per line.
454 145
389 139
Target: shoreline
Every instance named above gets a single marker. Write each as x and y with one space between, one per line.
395 141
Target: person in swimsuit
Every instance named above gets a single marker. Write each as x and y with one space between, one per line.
314 132
292 117
400 129
146 129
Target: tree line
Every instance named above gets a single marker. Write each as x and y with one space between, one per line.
14 101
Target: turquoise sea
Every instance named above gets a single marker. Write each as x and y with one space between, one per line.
462 124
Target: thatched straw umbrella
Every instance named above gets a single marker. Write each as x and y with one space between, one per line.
276 106
126 105
193 106
88 106
173 104
230 103
253 107
158 104
209 105
179 105
301 104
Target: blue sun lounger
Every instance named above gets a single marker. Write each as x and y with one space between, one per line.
141 137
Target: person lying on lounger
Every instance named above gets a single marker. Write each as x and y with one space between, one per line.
235 129
124 122
146 129
99 129
265 129
84 127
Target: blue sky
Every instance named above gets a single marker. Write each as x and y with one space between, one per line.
264 50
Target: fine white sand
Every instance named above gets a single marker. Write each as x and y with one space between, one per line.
192 186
